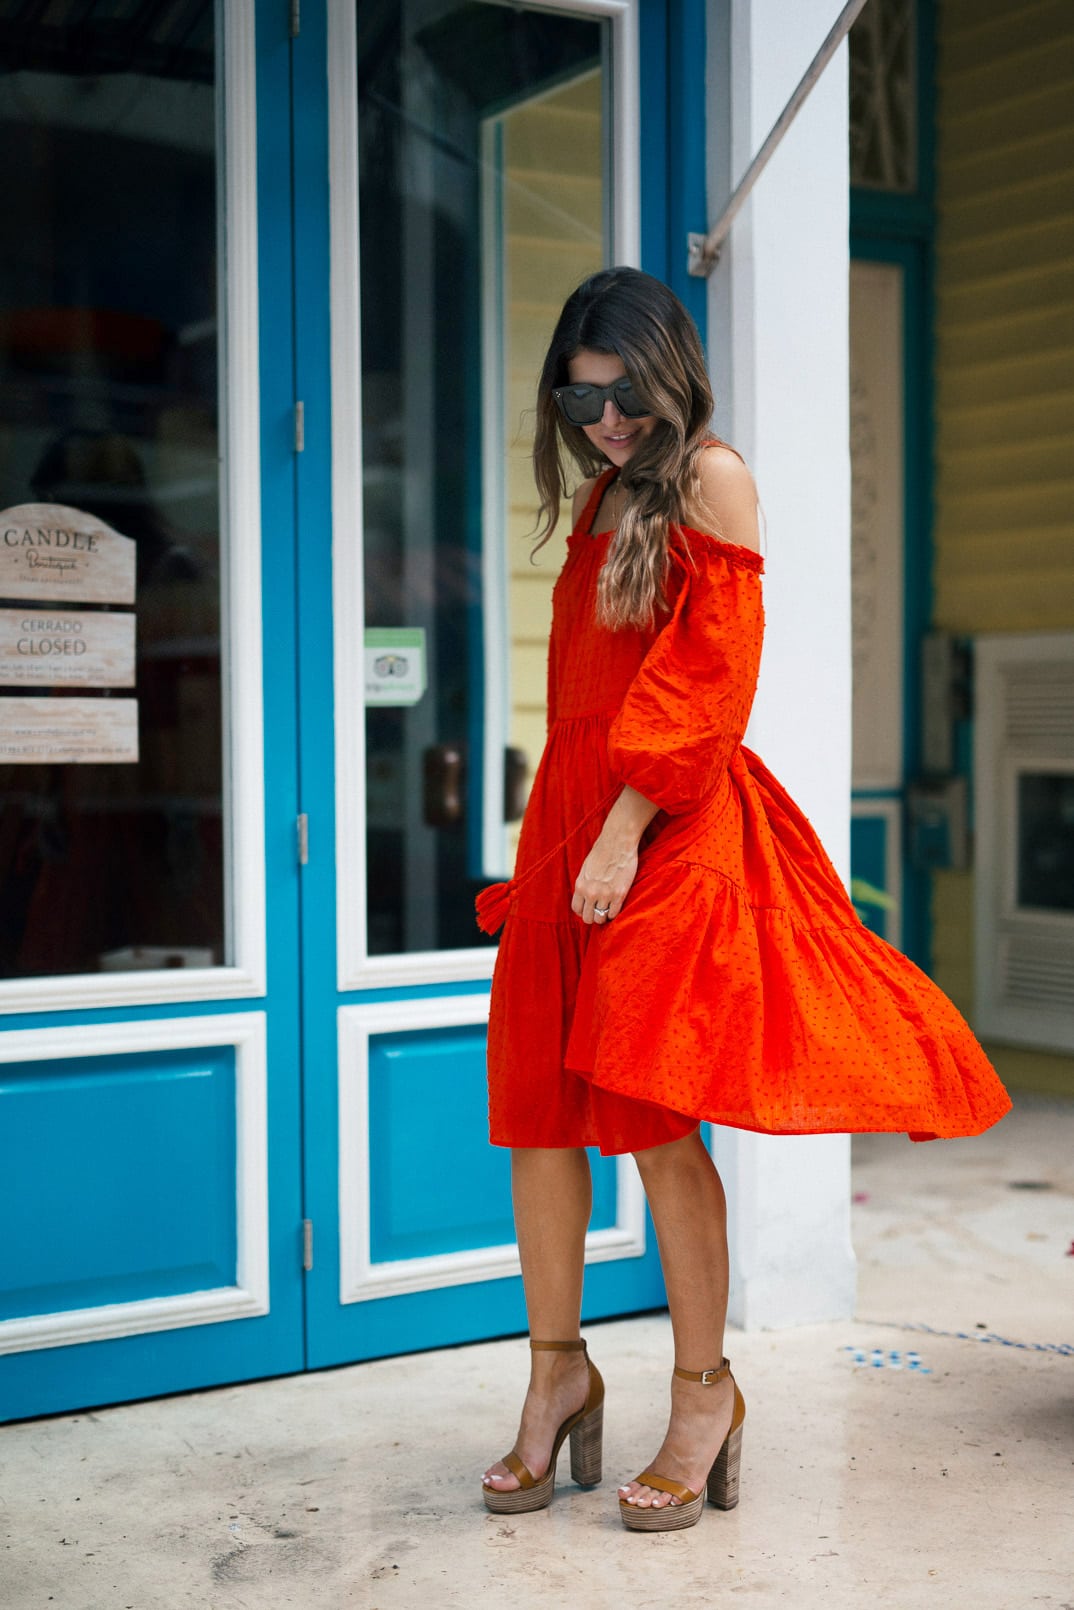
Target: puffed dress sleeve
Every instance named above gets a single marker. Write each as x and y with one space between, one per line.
685 713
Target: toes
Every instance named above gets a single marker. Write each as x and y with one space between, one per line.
501 1479
645 1497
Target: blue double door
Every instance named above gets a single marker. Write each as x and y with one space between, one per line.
259 1145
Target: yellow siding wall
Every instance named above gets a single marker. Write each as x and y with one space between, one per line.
553 239
1004 471
1005 316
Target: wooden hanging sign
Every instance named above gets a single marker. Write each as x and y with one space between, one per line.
65 732
51 647
52 553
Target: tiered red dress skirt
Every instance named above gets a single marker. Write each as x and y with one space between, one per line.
738 983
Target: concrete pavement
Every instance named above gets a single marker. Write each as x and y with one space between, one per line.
918 1456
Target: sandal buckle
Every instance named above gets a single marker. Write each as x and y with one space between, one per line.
708 1377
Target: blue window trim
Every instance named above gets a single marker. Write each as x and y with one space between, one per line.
672 37
893 228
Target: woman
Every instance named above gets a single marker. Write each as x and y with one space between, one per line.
677 946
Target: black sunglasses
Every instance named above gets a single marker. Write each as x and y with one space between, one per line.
583 404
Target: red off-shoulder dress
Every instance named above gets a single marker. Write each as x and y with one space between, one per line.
737 983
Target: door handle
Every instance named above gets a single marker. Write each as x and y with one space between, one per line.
515 772
444 780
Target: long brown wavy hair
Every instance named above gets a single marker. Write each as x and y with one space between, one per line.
636 317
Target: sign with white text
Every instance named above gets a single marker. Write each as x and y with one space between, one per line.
61 731
50 552
66 648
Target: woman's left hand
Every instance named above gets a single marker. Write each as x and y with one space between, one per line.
604 881
610 867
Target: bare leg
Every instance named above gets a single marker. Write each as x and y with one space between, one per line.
553 1198
690 1214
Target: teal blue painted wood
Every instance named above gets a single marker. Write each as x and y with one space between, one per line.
868 860
105 1220
687 199
655 224
673 169
316 739
900 229
604 1171
437 1185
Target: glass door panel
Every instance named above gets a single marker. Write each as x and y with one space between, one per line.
111 768
441 154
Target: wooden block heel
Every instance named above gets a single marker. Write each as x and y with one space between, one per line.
587 1447
586 1431
721 1486
723 1477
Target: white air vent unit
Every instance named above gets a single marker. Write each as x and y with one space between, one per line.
1024 841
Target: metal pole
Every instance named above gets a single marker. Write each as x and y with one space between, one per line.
704 250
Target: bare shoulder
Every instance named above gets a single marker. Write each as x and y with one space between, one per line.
581 498
723 472
728 498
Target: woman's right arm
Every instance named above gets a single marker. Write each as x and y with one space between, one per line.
686 710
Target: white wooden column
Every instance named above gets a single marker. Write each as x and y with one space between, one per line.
778 347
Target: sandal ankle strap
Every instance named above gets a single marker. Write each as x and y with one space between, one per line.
706 1377
577 1346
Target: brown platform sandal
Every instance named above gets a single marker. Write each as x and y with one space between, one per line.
586 1431
722 1484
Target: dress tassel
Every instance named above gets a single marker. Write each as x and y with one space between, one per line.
492 906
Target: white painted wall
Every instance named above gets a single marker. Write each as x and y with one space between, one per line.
778 322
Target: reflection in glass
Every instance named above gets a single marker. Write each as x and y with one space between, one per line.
1046 840
430 82
553 229
108 404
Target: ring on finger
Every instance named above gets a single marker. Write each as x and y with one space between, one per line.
601 911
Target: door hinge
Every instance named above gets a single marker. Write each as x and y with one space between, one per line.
300 427
296 18
302 824
307 1245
